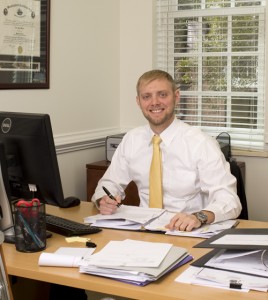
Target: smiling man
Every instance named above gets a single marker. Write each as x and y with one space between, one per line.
196 180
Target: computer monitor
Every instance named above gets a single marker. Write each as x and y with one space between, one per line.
28 160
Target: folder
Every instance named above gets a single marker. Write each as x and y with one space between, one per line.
140 273
251 265
238 238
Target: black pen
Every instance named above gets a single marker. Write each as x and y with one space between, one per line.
110 196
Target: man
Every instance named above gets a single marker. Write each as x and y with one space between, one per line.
196 179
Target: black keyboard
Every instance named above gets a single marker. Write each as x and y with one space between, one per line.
67 227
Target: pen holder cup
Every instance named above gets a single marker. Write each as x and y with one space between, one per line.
30 228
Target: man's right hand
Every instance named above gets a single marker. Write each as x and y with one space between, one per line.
108 206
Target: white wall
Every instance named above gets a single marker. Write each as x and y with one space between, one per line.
136 38
84 73
84 94
99 48
256 187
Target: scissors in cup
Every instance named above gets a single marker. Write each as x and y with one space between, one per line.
28 208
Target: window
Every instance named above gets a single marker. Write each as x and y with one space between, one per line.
215 51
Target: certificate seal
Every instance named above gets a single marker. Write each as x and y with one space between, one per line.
20 49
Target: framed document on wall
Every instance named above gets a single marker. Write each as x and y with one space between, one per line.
24 44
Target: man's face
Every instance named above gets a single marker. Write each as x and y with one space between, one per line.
157 101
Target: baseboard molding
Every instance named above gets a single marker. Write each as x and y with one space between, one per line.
82 140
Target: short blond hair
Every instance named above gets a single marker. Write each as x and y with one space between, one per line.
152 75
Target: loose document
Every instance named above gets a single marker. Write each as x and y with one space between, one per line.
153 219
135 262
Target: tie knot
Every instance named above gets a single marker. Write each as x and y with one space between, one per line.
156 140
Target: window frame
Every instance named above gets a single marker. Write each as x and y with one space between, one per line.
241 138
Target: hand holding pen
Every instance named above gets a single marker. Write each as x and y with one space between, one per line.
111 196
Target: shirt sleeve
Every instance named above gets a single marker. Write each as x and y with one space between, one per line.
116 178
218 183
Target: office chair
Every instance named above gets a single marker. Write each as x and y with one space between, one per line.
224 141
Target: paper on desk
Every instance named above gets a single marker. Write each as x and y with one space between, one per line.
140 273
135 216
242 239
64 257
247 262
117 224
130 253
206 230
225 277
159 223
190 276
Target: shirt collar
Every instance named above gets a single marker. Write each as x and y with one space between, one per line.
168 134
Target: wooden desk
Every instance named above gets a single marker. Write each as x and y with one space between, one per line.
26 265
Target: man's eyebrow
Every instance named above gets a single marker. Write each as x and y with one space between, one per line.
163 91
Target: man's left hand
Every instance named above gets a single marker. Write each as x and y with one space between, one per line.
183 222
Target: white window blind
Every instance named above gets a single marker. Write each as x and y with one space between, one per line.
215 51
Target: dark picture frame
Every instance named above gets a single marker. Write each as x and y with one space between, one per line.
24 44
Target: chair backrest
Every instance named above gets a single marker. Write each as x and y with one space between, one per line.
224 141
236 171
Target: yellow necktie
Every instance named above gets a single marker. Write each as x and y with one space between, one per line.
156 193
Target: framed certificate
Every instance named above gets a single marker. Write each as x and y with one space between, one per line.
24 44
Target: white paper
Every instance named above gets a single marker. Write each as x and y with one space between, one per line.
137 273
64 257
190 276
249 263
135 218
130 253
205 231
160 222
20 28
118 224
139 215
243 239
58 260
224 278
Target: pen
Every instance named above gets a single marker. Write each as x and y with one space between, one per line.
110 195
235 224
91 245
33 235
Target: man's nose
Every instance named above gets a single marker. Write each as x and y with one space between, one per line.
155 99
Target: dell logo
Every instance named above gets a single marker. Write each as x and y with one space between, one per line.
6 125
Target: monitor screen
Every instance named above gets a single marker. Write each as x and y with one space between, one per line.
29 159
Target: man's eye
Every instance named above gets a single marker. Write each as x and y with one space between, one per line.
163 95
146 97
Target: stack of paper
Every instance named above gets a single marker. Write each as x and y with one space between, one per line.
153 219
135 262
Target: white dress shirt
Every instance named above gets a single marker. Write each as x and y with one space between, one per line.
196 175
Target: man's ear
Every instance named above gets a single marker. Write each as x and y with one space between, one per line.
138 100
177 96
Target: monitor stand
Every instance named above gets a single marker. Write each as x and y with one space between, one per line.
9 236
